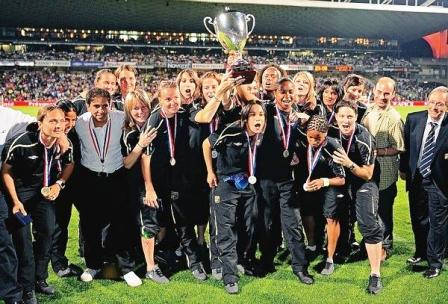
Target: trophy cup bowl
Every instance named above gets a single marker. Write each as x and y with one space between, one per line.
231 30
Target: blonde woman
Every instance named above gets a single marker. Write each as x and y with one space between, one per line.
133 141
305 93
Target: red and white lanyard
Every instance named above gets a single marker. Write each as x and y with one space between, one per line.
285 135
213 125
312 160
48 162
101 152
171 137
331 117
252 158
349 141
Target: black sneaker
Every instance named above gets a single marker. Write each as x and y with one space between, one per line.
375 285
431 273
305 277
414 260
43 287
71 271
29 297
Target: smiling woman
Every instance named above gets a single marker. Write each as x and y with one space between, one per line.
34 172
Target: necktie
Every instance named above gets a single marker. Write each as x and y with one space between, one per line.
428 151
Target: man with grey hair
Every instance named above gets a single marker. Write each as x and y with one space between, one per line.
424 167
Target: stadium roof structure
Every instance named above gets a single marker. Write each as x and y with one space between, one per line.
305 18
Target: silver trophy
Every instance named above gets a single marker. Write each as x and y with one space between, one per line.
231 31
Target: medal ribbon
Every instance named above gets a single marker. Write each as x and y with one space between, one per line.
312 162
101 153
349 141
47 162
331 117
171 133
214 125
252 154
285 135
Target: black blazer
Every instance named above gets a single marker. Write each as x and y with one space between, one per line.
413 136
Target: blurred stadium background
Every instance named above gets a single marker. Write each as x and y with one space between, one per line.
51 49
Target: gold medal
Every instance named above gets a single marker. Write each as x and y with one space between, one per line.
45 191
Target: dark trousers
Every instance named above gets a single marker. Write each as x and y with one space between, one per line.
104 204
199 197
63 209
180 213
277 199
418 207
34 258
347 222
438 223
9 288
235 212
385 211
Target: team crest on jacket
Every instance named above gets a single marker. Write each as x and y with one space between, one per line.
174 195
217 199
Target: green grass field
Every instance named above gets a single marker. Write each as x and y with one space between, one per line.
346 285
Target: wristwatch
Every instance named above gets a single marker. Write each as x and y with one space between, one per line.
61 183
351 167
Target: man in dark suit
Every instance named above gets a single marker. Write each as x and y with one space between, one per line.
424 165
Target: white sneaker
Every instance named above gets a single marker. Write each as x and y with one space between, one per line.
132 279
89 274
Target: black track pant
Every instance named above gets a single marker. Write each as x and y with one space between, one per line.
10 291
34 258
278 199
235 212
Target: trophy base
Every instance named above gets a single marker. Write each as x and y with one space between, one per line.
248 75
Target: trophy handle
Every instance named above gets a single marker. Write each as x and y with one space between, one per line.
248 17
207 21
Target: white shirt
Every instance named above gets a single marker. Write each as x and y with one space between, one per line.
12 123
89 157
426 132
